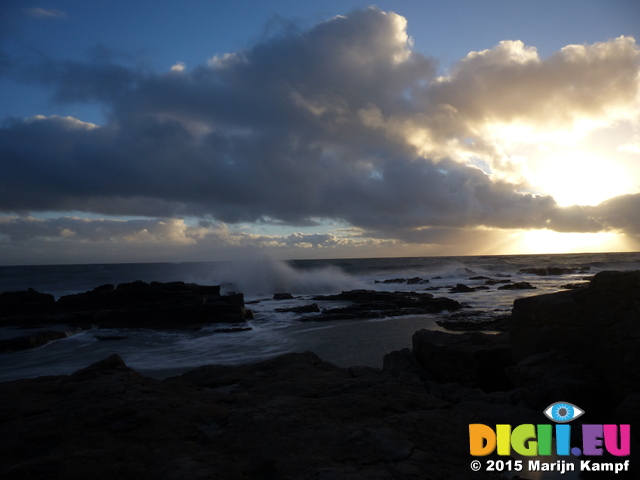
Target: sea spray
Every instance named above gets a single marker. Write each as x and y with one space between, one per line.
266 276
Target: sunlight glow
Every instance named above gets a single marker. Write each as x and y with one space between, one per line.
548 241
581 178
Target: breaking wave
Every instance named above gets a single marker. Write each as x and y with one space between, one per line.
266 276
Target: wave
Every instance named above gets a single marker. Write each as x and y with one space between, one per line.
266 276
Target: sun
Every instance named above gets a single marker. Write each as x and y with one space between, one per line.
580 178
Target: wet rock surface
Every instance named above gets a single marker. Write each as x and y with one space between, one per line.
472 320
517 286
377 304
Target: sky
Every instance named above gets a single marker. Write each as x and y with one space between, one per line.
140 131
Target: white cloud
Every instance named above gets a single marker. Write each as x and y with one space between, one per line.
46 13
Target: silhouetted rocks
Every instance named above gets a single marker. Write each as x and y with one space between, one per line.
493 281
597 326
517 286
282 296
474 360
473 320
129 305
110 337
408 281
374 304
555 270
311 308
392 280
461 288
26 342
26 302
574 286
232 329
547 377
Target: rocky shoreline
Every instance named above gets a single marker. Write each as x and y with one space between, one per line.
299 417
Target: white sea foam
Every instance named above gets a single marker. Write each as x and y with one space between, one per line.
266 276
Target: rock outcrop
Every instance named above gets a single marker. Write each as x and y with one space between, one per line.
135 304
375 304
597 327
294 417
474 360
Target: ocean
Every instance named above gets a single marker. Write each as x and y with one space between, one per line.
160 354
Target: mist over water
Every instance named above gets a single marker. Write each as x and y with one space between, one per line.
265 276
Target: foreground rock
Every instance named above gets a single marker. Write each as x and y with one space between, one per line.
136 304
474 360
597 327
293 417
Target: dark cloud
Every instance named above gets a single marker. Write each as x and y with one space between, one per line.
342 121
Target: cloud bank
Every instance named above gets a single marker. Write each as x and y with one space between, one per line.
339 122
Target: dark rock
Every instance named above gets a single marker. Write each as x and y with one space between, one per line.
311 308
597 327
135 304
25 302
374 304
416 281
479 277
464 271
408 281
110 337
554 270
461 288
402 363
472 321
549 376
494 281
112 362
30 341
517 286
628 412
474 360
575 286
282 296
292 417
232 329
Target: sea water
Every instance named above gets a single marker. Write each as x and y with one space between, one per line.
163 353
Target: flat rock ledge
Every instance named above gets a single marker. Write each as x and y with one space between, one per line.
130 305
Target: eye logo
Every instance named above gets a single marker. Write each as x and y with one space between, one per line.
563 412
